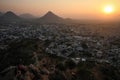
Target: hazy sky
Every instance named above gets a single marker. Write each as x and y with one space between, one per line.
64 8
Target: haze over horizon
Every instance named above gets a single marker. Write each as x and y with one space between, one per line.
79 9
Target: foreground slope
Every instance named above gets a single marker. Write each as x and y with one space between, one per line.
30 59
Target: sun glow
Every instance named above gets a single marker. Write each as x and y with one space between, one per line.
108 9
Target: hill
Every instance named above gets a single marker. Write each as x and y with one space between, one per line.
9 17
50 17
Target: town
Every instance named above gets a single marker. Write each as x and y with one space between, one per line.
78 42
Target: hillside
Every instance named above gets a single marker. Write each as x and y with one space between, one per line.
40 65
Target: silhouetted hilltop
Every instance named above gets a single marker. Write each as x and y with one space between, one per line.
9 17
50 17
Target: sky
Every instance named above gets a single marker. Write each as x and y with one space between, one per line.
79 9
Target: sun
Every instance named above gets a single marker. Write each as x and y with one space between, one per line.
108 9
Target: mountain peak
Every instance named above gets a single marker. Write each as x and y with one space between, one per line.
50 14
9 13
50 17
9 17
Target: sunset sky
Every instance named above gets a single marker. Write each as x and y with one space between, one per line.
79 9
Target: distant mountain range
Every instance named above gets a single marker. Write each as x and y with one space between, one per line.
49 17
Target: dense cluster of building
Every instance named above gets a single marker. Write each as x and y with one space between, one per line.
78 42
